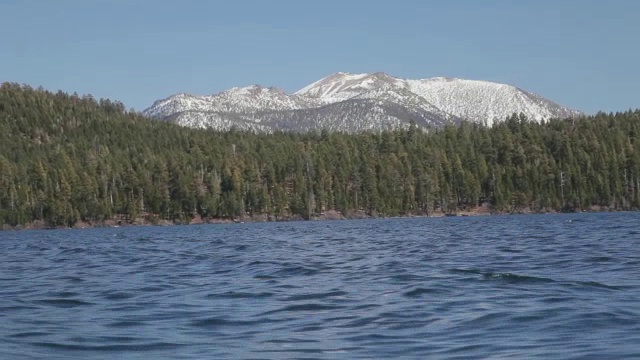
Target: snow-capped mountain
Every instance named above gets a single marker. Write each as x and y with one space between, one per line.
236 100
485 101
357 102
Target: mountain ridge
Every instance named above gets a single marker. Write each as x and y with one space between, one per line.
335 103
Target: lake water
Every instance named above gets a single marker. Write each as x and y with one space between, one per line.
539 286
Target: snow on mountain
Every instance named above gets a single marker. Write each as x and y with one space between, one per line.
484 101
238 99
354 115
392 94
217 120
356 102
343 86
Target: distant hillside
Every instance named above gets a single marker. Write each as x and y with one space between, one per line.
67 160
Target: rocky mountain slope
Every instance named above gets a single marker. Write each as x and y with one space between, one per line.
356 102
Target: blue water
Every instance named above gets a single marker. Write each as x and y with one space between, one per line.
540 286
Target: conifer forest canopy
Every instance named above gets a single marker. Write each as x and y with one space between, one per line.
68 158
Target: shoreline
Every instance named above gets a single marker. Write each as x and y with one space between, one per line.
331 215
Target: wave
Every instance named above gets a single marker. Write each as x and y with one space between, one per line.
513 278
310 307
507 277
239 295
110 347
64 303
596 284
220 322
420 291
316 296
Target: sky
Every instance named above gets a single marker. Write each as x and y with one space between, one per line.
584 54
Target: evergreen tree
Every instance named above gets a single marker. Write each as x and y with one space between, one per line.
68 158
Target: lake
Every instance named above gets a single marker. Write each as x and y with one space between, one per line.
521 286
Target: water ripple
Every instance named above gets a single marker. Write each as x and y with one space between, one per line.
455 287
109 347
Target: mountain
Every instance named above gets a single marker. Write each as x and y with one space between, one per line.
357 102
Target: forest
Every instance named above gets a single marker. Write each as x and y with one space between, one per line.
66 159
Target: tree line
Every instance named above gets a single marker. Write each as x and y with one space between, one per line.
66 158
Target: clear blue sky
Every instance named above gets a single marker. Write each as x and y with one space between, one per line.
581 53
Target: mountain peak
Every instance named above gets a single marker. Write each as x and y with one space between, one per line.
354 102
342 86
253 90
380 75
